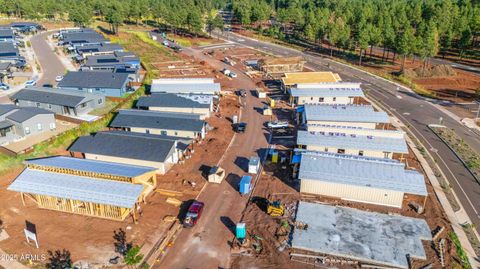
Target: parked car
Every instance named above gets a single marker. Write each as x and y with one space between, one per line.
31 82
242 93
58 78
194 213
241 127
232 75
277 124
226 72
4 86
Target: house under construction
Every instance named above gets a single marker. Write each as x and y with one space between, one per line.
86 187
281 65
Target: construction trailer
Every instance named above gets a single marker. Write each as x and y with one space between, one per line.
281 65
245 185
86 187
253 165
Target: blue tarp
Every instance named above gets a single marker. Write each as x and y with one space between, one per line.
300 109
296 158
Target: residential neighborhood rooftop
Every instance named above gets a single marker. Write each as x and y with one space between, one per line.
175 100
352 141
345 113
369 237
101 167
79 188
92 79
361 171
25 113
63 97
125 145
157 120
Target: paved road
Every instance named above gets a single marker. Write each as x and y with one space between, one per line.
205 245
414 111
48 60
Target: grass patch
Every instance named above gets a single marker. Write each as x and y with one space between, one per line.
109 105
462 256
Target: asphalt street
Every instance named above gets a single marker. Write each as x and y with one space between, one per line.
414 111
48 60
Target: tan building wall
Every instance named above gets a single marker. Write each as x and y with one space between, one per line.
372 132
168 132
353 193
201 111
326 100
162 168
372 125
367 153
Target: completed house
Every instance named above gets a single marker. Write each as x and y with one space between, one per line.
106 83
60 101
98 49
6 34
342 93
82 38
185 86
182 125
9 53
345 115
111 62
353 144
201 104
150 150
19 122
360 179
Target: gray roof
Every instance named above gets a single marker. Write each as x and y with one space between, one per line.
83 37
352 141
26 113
125 145
361 171
5 124
90 79
7 48
5 108
157 120
109 60
345 113
4 65
6 33
109 168
62 97
185 85
79 188
370 237
327 92
175 100
102 47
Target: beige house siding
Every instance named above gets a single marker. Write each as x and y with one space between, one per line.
367 153
326 100
175 133
201 111
162 168
353 193
372 132
371 125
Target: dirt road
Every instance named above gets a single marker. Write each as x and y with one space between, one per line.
206 245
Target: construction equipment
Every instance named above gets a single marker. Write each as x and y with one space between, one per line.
275 209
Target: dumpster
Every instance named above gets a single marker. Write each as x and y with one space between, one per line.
253 165
245 185
241 230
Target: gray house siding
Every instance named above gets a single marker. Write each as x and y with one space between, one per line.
104 91
31 126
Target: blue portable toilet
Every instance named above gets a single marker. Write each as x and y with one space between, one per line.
241 230
245 185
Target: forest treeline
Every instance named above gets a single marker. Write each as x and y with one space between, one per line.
406 27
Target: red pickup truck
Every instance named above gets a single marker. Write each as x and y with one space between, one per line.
193 214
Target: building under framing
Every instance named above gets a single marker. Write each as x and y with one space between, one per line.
86 187
281 65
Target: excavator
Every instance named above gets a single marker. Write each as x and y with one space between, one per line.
275 208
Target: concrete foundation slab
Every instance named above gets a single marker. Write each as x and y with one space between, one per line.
368 237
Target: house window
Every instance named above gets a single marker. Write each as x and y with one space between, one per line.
311 98
326 150
386 154
52 126
100 101
176 133
163 132
334 99
320 99
39 126
147 131
360 153
82 105
341 151
27 130
38 104
49 106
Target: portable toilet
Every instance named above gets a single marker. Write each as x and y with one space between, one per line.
245 185
274 156
272 103
241 230
253 165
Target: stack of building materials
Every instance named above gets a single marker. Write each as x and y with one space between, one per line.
281 65
87 187
373 240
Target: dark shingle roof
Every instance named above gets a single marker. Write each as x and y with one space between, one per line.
158 120
83 37
4 108
51 96
125 145
25 113
175 100
6 33
90 79
103 47
5 124
8 49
